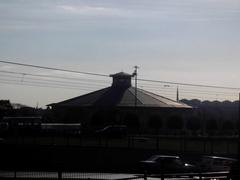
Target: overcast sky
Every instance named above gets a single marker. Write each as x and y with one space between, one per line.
193 41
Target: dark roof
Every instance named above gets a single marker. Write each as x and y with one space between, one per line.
121 74
121 97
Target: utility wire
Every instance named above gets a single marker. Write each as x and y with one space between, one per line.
189 84
52 83
52 76
66 83
52 68
142 85
169 90
182 90
60 86
159 89
96 74
37 84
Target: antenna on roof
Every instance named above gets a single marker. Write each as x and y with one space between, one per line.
135 75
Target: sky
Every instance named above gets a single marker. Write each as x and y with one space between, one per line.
190 41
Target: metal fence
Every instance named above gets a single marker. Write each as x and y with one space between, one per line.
202 145
110 176
67 175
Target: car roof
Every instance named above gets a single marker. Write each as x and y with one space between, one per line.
165 156
219 157
117 126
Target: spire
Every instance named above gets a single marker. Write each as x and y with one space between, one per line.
135 75
177 95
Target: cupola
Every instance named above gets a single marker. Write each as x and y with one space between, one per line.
121 80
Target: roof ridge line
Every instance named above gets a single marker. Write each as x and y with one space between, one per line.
163 97
135 95
160 96
143 91
104 94
67 100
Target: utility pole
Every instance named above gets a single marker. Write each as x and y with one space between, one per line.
238 126
135 74
177 98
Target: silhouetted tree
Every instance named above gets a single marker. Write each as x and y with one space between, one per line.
175 122
211 126
228 127
194 123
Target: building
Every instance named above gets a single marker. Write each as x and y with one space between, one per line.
121 103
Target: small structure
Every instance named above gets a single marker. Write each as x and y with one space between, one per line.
5 108
121 103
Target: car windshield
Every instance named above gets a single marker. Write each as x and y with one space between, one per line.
156 158
153 158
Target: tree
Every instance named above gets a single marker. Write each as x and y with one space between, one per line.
228 127
211 126
194 123
175 122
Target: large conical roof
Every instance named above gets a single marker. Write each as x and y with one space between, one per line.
121 94
121 97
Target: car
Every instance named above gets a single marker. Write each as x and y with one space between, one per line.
61 128
215 163
159 164
113 131
234 173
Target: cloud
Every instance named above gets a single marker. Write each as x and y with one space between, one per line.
5 67
83 9
90 10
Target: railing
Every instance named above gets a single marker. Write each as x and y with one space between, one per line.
184 144
107 176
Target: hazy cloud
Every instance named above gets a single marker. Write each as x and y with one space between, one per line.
90 10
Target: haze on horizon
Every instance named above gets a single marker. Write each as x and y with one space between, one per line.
182 41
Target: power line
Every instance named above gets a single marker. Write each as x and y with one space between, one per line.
78 84
23 78
189 84
52 68
47 82
104 75
52 76
48 85
182 90
84 88
89 82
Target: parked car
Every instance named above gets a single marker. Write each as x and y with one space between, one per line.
113 131
215 163
61 128
234 173
166 164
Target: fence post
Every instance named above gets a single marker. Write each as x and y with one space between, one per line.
59 174
15 174
162 176
129 141
200 176
157 144
145 175
162 169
